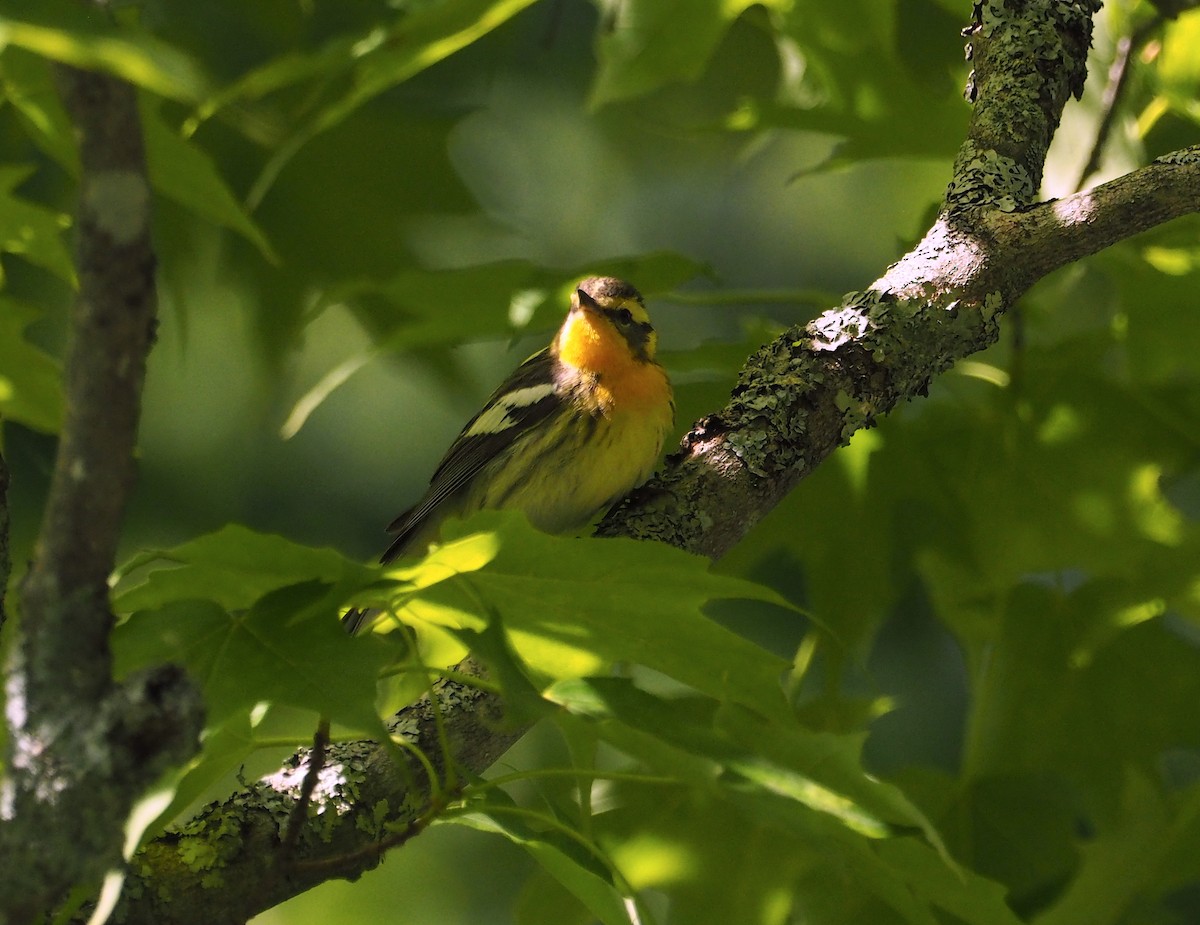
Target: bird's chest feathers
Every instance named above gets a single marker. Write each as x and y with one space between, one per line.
598 367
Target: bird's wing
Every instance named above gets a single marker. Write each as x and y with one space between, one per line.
524 400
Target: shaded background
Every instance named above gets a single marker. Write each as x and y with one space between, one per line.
1067 457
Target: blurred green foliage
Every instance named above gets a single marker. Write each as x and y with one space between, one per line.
984 612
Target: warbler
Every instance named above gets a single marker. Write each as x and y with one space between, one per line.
572 430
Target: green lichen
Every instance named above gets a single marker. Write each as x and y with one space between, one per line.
1030 57
197 854
839 326
750 446
1184 157
988 178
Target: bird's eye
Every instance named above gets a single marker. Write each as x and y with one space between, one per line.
624 316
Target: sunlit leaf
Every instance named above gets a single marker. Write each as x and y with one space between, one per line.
565 861
821 771
572 608
86 37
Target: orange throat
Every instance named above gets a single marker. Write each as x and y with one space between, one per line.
624 383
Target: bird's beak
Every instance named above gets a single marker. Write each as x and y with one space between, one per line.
586 302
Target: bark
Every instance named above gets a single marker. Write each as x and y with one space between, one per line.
5 555
238 858
82 748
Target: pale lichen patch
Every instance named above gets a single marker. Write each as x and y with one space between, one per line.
118 201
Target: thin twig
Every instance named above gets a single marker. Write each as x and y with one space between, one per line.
1119 73
299 816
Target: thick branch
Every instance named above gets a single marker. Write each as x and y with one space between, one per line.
1062 231
800 398
81 749
233 860
5 555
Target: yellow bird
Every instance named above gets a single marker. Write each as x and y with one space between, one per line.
572 430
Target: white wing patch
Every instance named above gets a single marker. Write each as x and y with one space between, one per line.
497 417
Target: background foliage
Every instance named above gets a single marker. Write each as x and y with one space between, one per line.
367 212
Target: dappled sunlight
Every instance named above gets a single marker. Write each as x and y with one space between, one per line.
1061 424
984 372
552 653
855 458
446 560
1156 518
651 860
1074 210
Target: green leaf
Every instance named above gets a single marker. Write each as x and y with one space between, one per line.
29 86
649 43
545 901
86 37
288 648
867 66
421 38
1132 859
183 172
718 860
971 898
562 859
30 231
1018 829
379 60
254 618
1178 73
802 547
1052 701
31 389
821 771
233 567
575 607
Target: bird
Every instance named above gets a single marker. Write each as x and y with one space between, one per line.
569 432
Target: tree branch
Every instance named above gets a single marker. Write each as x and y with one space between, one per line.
5 554
1119 73
81 748
801 397
1056 233
796 401
235 858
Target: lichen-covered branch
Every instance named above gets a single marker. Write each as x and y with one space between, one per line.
5 555
80 748
1052 234
804 395
233 860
